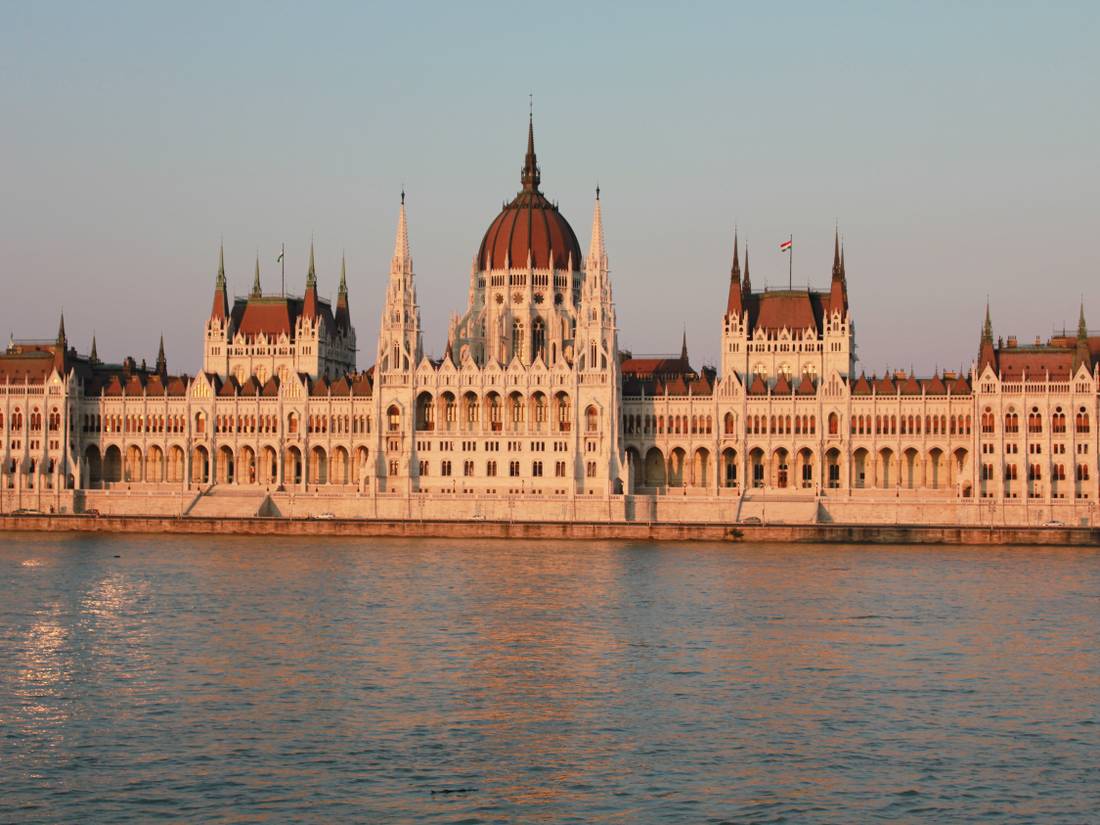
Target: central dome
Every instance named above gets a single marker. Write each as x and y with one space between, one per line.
529 225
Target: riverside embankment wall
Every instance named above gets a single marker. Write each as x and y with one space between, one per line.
788 533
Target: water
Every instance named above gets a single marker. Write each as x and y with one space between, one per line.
271 680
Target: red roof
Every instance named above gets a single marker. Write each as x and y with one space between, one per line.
1035 364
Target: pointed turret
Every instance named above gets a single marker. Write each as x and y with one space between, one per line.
684 347
597 251
838 291
1081 354
746 283
60 346
309 303
734 304
256 291
162 362
986 353
220 309
93 356
530 176
402 258
343 313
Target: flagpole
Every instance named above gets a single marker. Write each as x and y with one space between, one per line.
790 264
282 260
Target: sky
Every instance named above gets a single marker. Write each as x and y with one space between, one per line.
955 146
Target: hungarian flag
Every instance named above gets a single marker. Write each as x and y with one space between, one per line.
280 257
785 246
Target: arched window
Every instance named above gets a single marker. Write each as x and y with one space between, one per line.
591 419
538 339
517 339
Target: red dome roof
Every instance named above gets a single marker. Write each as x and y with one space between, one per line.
530 224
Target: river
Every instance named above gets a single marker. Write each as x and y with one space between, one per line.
451 681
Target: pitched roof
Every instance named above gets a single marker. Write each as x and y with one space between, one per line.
794 309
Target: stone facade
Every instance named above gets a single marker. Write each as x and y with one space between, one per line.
533 412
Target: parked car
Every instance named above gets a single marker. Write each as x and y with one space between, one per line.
751 520
25 511
326 516
1055 523
94 513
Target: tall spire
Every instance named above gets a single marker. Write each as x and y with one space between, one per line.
837 273
93 356
734 304
402 259
256 291
343 313
986 353
530 177
684 346
220 308
838 288
311 273
162 362
746 283
309 302
597 251
61 346
1081 354
219 283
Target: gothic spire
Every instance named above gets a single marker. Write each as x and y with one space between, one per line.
402 259
837 272
162 362
684 346
256 291
220 308
1082 355
838 289
597 251
530 177
93 356
311 273
986 353
746 283
61 346
219 283
309 302
734 304
343 313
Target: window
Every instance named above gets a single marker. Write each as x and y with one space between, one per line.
445 467
538 339
467 468
393 418
423 469
513 469
490 468
590 469
536 469
559 469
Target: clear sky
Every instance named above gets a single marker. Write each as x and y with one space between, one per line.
956 144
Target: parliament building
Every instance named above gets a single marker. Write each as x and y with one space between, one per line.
533 411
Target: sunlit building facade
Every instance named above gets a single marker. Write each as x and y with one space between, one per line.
534 411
